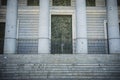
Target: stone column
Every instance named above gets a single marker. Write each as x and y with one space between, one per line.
81 30
11 25
113 26
44 41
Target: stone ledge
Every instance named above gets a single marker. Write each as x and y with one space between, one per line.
61 58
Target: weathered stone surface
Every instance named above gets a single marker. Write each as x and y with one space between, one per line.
57 67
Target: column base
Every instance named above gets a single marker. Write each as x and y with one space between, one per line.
81 46
114 46
10 46
44 46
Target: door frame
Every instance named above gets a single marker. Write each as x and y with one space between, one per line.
65 12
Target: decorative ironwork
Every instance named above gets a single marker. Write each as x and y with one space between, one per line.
27 46
61 47
33 2
61 34
61 2
30 46
3 2
90 2
98 46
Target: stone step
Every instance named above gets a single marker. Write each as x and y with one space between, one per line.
96 59
33 75
38 78
47 66
42 67
60 73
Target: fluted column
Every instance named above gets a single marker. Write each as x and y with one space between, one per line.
113 26
44 42
81 34
11 25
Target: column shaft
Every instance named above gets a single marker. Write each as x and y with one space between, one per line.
113 26
81 34
11 24
44 41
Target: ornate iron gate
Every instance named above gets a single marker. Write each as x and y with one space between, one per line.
61 34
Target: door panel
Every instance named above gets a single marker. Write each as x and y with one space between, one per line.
61 34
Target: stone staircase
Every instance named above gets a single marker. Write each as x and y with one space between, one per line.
60 67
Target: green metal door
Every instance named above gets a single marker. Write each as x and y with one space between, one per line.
61 34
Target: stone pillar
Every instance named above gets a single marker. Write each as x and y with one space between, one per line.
44 41
81 30
11 25
113 26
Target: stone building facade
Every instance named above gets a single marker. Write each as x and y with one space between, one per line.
52 39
